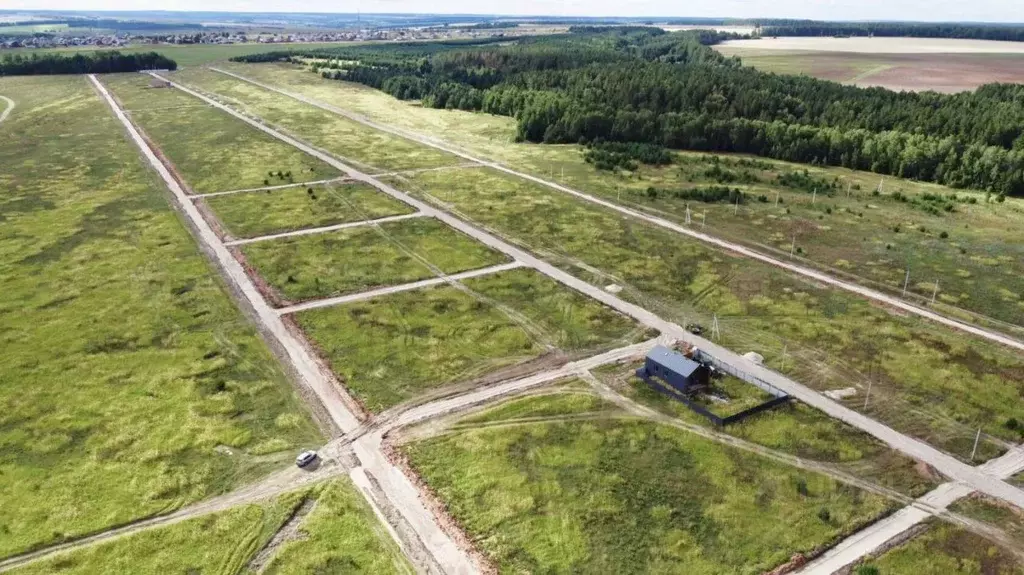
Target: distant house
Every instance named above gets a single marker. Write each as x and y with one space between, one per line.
675 369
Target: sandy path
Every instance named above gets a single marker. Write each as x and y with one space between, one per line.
7 111
915 448
660 222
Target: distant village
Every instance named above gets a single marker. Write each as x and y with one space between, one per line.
239 37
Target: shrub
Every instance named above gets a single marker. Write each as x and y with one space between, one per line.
944 235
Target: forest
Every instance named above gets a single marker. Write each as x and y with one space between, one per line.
643 85
1004 32
95 63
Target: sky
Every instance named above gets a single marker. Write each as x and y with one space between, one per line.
918 10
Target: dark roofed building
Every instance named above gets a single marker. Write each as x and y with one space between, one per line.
674 368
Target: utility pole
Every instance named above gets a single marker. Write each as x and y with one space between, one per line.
737 210
703 218
976 439
715 333
782 363
867 396
792 248
687 214
776 198
906 281
849 186
814 196
935 291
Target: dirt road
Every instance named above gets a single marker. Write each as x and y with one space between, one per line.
919 450
660 222
324 229
441 549
873 537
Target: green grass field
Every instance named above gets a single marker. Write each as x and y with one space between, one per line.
927 381
130 375
395 348
563 399
944 549
252 214
370 149
340 534
213 151
357 259
219 543
794 429
872 239
618 496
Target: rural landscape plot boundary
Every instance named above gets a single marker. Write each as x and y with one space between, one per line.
912 447
736 248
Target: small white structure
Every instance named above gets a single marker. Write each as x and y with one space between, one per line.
613 288
840 394
754 357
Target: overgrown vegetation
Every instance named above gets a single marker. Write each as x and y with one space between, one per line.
132 384
613 496
253 214
942 549
937 384
212 151
395 348
357 259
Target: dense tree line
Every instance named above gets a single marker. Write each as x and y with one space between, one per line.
1005 32
95 63
642 85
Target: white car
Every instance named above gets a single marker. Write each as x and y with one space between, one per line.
305 458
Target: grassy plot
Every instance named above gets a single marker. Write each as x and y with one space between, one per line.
213 151
559 401
254 214
941 550
795 429
927 381
219 543
613 496
391 349
357 259
979 263
132 385
340 535
353 141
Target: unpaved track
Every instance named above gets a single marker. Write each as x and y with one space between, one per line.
441 549
660 222
7 111
875 536
276 484
916 449
324 229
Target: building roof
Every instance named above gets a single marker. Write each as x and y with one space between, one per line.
673 360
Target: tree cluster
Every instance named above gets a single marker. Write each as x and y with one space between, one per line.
642 85
1004 32
95 63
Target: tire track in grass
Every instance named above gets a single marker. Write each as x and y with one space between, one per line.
8 110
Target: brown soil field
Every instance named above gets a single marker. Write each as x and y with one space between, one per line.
947 73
